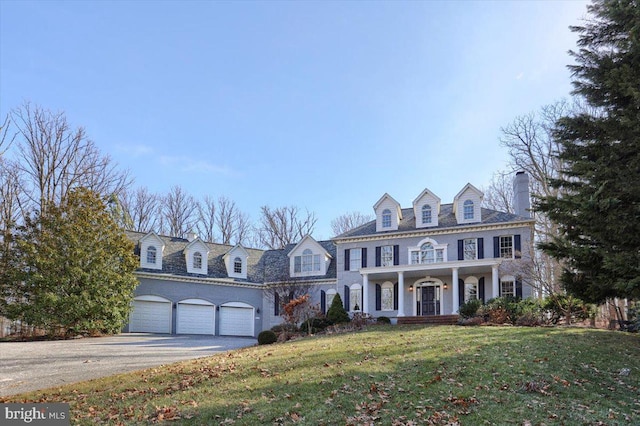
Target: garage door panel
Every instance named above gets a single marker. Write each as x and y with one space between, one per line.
195 319
236 321
150 317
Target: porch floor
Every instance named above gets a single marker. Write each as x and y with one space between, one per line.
430 320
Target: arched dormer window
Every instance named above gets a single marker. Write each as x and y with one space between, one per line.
386 218
197 260
237 265
151 255
468 209
426 214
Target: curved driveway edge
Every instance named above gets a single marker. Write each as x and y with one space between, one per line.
29 366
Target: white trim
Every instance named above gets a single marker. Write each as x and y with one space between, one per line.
196 302
427 282
151 298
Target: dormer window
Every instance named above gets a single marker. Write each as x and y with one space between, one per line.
308 262
151 254
426 214
386 218
197 260
468 209
237 265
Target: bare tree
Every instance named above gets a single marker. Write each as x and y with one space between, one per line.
141 208
499 195
6 139
349 221
226 219
284 225
206 224
179 212
243 230
55 158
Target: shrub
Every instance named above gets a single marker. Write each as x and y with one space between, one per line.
360 320
315 325
560 306
471 321
383 320
501 310
336 313
470 309
267 337
284 327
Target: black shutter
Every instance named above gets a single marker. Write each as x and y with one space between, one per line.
323 301
481 289
378 297
496 247
480 248
364 257
346 259
517 245
276 304
460 249
460 291
346 298
499 288
519 289
395 296
378 256
396 255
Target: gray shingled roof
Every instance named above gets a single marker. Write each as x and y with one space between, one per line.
262 265
446 219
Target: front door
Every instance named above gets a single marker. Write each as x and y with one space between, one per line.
430 303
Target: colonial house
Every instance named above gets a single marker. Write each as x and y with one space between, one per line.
424 260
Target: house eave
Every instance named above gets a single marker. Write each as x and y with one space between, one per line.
199 280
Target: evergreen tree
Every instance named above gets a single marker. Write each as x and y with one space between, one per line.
336 313
598 212
72 269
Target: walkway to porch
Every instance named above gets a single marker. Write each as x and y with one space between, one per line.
430 320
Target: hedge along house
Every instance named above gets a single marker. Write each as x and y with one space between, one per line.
430 258
425 260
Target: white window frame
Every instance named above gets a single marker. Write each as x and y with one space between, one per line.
307 264
416 254
355 298
386 297
386 256
468 210
507 247
197 260
355 259
152 255
237 265
471 289
470 249
386 218
426 214
511 289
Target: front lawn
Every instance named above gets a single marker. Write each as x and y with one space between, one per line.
392 375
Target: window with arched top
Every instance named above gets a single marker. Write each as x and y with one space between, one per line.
308 262
470 289
151 254
428 252
426 214
197 260
237 265
386 218
467 209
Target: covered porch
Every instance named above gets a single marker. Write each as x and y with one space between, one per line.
429 289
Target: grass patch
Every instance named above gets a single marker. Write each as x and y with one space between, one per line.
396 375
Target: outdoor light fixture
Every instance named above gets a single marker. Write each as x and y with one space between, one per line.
257 310
445 286
410 288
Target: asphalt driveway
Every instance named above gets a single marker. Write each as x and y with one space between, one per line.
28 366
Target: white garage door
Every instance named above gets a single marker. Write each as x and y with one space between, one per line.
195 316
236 320
150 314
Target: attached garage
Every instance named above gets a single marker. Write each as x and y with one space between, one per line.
236 319
150 314
195 316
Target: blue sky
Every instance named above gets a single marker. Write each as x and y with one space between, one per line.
322 105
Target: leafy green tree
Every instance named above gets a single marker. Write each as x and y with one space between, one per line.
598 212
72 269
336 313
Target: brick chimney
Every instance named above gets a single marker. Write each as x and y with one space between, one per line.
521 202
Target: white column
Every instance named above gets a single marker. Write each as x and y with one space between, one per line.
414 310
494 281
454 290
400 294
365 293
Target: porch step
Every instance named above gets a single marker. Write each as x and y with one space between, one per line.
432 320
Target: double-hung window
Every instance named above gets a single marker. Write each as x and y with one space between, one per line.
426 214
468 209
506 247
237 265
355 259
306 263
151 255
507 288
470 249
386 218
197 260
386 255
